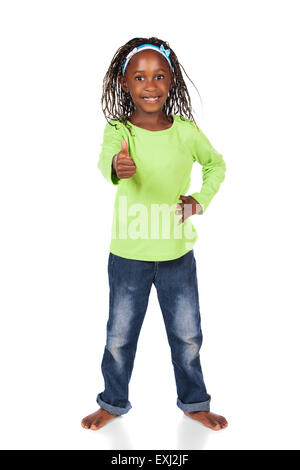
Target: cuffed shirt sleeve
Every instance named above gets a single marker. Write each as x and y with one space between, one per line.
111 145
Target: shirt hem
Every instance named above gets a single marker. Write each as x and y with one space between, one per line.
146 258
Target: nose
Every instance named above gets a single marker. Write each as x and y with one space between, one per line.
151 91
150 83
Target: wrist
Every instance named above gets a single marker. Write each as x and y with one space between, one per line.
199 209
197 198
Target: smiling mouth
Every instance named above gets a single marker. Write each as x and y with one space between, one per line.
152 100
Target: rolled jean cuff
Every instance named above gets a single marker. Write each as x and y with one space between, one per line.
112 409
200 406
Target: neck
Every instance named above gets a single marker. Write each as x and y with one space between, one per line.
154 119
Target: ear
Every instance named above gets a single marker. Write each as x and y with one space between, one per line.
123 83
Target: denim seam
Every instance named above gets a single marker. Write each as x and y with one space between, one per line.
112 279
155 269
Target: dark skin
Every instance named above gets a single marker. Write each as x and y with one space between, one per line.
148 74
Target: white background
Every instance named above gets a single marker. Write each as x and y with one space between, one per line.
56 215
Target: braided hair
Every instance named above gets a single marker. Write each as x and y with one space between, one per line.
118 105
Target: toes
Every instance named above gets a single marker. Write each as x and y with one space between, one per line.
96 425
215 425
85 424
223 422
220 424
215 422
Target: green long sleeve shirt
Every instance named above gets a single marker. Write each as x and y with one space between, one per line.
145 226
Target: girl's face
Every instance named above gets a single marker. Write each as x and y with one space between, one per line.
148 74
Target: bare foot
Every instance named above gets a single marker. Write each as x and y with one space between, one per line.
97 420
210 420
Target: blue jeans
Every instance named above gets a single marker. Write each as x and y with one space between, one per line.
130 282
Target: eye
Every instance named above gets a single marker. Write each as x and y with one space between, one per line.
139 76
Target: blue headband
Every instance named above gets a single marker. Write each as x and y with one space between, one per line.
161 49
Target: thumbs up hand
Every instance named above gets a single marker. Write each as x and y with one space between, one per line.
125 166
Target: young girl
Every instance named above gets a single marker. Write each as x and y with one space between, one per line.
150 144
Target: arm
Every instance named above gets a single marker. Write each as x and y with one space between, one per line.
111 145
213 169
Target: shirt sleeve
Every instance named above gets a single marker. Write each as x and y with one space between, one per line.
111 145
213 169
